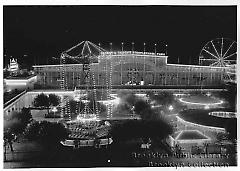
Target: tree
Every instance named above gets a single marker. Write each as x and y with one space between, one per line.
131 99
143 109
230 96
16 122
128 97
134 129
151 124
32 130
47 133
164 98
54 100
14 126
231 128
25 116
42 100
6 74
122 109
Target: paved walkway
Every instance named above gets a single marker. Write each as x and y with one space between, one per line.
22 151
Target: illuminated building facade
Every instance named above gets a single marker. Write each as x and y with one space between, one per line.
13 66
130 68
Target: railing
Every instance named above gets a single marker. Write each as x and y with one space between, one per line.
13 99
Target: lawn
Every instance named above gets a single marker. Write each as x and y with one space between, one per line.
201 116
200 99
190 135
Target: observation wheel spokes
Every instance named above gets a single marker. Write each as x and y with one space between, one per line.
220 52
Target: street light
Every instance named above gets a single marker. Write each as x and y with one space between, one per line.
166 48
170 107
144 47
132 46
110 46
206 107
54 111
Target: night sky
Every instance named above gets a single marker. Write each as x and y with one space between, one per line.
41 32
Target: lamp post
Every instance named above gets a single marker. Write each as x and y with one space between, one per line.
132 46
166 50
54 111
144 47
170 108
155 48
110 46
122 46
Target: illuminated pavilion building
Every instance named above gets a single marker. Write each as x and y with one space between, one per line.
135 69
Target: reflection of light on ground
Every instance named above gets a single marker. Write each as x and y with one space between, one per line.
180 94
170 107
141 94
206 107
76 98
54 109
153 102
156 106
195 103
85 101
115 101
208 94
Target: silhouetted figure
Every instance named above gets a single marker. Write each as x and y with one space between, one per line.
10 144
9 137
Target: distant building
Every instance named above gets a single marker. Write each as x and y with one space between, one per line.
13 67
19 83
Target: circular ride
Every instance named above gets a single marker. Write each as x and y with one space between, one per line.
83 121
89 129
220 52
88 133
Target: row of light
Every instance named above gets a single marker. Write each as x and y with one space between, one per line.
122 43
95 95
198 125
223 114
62 82
110 88
130 52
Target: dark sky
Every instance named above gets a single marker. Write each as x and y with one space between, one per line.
41 32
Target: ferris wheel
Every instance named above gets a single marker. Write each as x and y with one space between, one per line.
221 52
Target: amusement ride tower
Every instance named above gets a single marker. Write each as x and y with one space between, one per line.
86 54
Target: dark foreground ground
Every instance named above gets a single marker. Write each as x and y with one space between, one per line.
32 155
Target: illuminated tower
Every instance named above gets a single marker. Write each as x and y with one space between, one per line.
85 54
